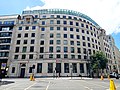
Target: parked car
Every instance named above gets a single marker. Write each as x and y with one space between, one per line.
114 75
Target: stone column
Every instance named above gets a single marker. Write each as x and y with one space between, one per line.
85 69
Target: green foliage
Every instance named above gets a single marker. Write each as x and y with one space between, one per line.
98 61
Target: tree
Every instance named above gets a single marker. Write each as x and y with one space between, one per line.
98 62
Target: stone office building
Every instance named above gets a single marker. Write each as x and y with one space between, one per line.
50 42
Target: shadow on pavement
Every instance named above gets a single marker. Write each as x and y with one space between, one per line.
6 82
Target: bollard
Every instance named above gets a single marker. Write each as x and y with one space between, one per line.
31 77
102 77
112 85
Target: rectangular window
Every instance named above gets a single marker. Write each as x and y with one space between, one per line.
31 56
25 42
65 56
43 22
65 28
71 36
58 16
32 41
82 25
84 43
83 37
50 67
58 28
58 21
51 28
41 49
58 56
79 56
18 42
51 21
66 67
24 49
42 36
17 49
71 29
23 56
74 67
43 29
26 28
33 27
58 35
58 68
83 31
58 42
31 48
50 49
20 28
32 34
78 50
30 69
72 56
78 43
72 49
81 68
71 42
78 36
51 56
16 57
51 42
40 56
13 69
58 49
77 24
51 35
64 22
64 17
77 30
26 35
52 16
65 49
71 23
39 67
19 36
42 42
65 42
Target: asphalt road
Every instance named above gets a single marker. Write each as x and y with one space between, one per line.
58 84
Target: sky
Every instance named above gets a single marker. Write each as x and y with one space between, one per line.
105 12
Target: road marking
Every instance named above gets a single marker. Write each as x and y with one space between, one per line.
29 86
96 84
88 88
47 86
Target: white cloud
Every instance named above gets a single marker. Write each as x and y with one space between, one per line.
105 12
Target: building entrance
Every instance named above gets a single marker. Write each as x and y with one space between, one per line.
22 73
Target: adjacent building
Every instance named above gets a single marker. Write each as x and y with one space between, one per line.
51 42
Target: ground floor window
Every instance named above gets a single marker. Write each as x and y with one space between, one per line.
13 69
39 68
50 67
81 68
74 67
58 68
30 70
66 67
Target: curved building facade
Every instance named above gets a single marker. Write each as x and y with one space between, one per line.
55 42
